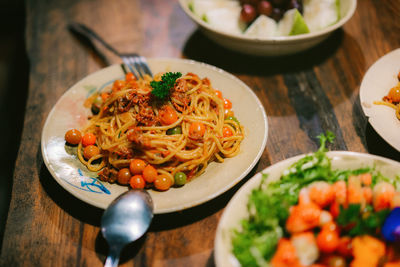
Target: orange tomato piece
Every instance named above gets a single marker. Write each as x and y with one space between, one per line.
227 103
130 77
73 136
197 130
91 151
124 175
321 193
167 115
285 255
137 182
88 139
104 96
118 85
218 93
162 182
136 166
150 174
226 131
328 240
303 217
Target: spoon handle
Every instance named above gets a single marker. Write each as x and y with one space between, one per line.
113 257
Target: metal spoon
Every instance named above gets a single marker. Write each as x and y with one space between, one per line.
126 219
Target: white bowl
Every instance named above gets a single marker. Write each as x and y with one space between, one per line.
274 46
236 209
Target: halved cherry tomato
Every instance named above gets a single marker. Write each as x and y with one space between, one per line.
137 181
168 115
226 131
218 93
124 175
73 136
227 104
91 151
345 248
118 85
197 130
149 173
394 94
328 239
137 166
88 139
129 77
162 182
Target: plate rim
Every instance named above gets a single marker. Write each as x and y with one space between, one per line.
363 93
183 206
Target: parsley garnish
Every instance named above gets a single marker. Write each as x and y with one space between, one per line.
362 221
162 88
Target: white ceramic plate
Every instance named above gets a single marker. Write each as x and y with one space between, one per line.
237 209
377 82
69 112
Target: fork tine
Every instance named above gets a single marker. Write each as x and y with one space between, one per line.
128 63
136 62
144 65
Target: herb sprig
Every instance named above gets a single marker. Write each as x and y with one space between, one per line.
162 89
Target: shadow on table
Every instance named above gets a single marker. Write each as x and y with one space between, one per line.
91 215
198 47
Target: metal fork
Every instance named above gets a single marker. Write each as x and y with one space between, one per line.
136 63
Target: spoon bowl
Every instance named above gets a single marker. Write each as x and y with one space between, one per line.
125 220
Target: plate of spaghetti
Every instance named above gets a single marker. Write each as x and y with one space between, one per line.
380 97
186 135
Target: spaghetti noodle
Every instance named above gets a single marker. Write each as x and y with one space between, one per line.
178 136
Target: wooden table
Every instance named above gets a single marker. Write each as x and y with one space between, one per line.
304 95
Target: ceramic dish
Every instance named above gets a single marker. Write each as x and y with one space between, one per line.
237 209
274 46
377 82
69 112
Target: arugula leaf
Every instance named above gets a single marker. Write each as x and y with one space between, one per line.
361 222
162 88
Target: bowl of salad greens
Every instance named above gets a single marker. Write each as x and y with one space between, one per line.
335 208
268 27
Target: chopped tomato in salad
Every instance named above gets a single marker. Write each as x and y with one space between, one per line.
317 216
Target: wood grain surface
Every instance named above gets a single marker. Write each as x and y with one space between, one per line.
304 95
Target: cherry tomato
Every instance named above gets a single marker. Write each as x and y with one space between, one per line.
129 77
162 182
91 151
137 166
226 131
327 240
218 93
168 115
345 248
227 104
124 175
73 136
137 182
197 130
88 139
394 94
118 85
149 173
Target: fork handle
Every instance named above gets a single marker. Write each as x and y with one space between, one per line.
91 35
